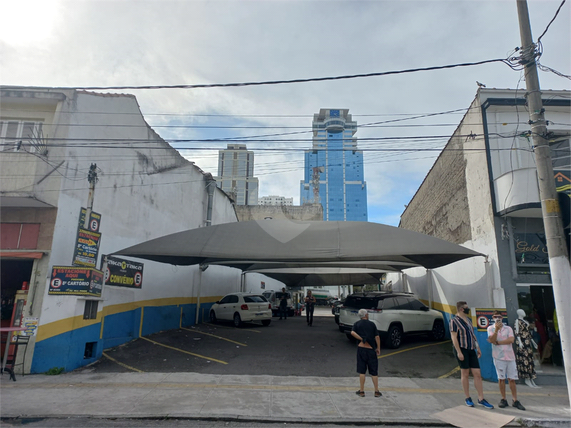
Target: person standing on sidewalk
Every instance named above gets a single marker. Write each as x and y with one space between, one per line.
502 337
283 304
368 350
467 352
309 307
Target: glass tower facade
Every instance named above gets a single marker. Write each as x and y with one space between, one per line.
334 172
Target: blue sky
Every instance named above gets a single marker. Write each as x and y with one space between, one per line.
117 43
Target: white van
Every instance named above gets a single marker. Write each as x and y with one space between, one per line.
274 298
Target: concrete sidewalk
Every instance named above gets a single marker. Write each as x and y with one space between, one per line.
285 399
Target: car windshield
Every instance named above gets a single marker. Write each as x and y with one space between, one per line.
254 299
361 302
267 294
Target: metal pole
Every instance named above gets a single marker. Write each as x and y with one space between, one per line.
556 247
92 179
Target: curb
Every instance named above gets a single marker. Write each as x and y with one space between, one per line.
518 422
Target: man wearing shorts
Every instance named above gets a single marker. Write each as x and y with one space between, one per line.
369 348
501 337
467 352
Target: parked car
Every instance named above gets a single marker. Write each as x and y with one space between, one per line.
242 307
335 311
394 314
335 304
274 298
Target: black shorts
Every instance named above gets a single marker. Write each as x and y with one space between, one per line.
470 359
367 358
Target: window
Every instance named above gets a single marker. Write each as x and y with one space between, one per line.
401 303
560 153
29 133
233 299
89 350
90 311
254 299
358 302
389 303
225 300
415 305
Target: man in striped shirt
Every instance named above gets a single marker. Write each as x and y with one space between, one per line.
467 352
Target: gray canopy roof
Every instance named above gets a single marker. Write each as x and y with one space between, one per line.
294 245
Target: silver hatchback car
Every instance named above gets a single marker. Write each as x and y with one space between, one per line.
242 307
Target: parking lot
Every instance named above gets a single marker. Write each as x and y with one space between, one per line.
284 348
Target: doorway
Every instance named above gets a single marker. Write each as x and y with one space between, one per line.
538 303
13 273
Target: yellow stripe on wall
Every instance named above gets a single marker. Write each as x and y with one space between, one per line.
55 328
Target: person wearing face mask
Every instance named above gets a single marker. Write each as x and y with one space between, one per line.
502 337
467 352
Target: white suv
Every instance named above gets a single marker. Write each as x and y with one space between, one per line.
394 314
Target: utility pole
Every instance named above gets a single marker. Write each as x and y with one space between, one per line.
553 224
92 179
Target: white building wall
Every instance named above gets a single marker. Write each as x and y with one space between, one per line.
145 190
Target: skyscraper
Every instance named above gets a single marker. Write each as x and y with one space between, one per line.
236 174
334 172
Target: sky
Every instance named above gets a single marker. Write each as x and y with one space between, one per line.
87 43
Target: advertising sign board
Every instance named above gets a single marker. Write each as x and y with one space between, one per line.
123 273
94 220
484 318
86 248
76 281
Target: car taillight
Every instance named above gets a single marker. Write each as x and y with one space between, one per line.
244 307
269 306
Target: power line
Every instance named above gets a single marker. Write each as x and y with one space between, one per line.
550 22
279 82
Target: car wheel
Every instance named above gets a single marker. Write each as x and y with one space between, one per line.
212 317
394 338
337 319
341 329
237 320
350 337
266 322
438 332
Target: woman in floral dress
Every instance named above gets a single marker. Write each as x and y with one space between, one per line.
524 349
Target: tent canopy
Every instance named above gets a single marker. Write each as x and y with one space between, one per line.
294 252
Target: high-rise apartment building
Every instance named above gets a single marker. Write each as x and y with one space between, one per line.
334 172
236 174
275 200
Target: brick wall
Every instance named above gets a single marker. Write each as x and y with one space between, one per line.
440 206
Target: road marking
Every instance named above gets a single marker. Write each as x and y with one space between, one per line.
450 373
182 350
122 364
213 335
410 349
231 328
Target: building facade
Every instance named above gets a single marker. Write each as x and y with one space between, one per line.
54 145
482 192
236 174
334 170
275 200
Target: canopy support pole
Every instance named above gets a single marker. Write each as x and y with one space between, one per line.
429 281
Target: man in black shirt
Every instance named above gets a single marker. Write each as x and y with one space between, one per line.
368 350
